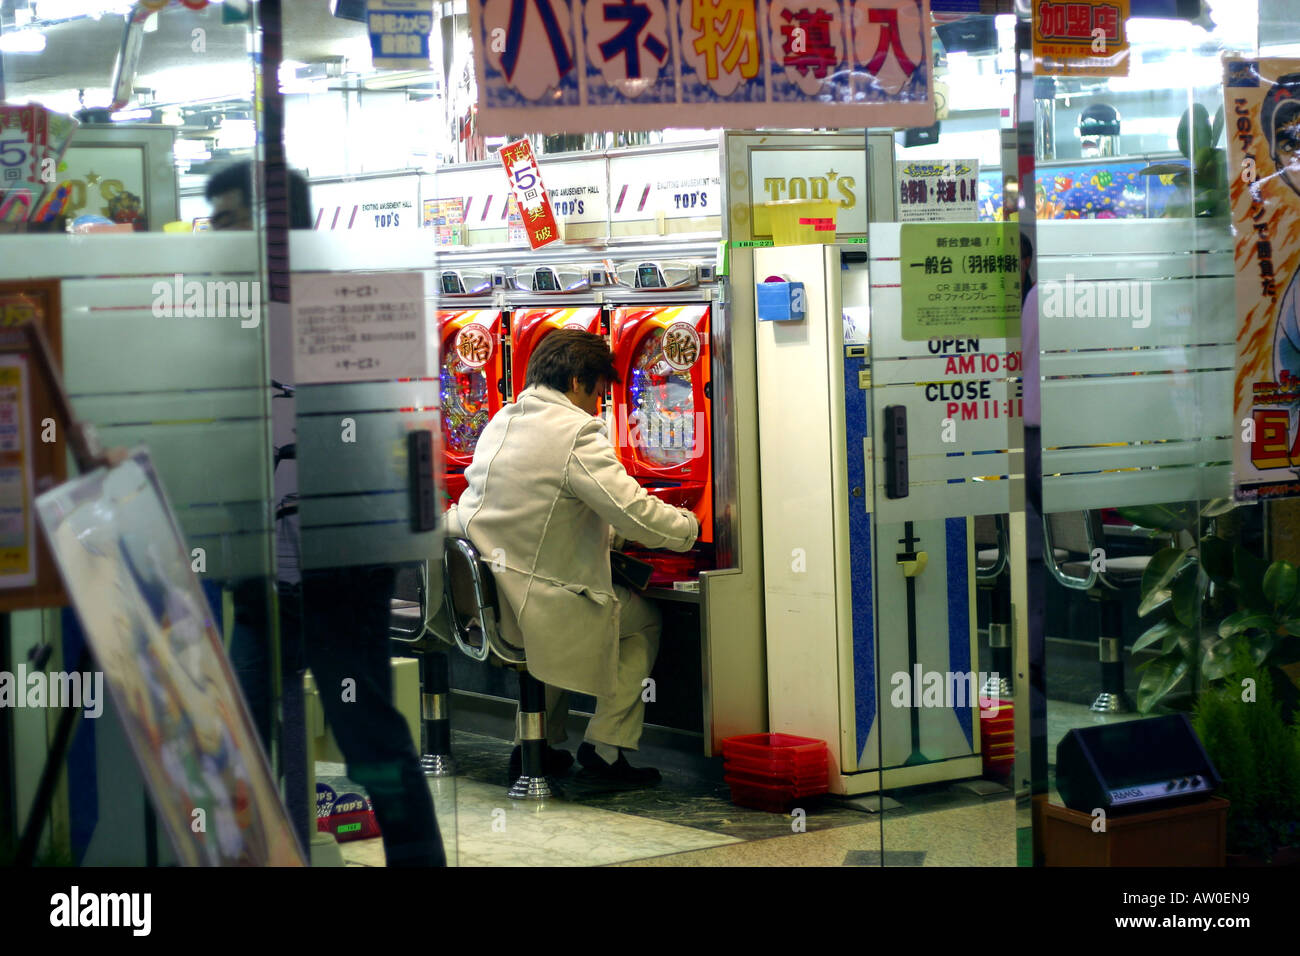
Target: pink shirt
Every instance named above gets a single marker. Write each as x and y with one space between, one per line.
1031 384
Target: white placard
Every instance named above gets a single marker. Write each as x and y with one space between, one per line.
382 204
838 175
359 327
938 190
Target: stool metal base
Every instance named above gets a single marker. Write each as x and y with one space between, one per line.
1108 703
438 765
530 788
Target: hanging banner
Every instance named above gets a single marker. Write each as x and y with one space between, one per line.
1081 37
553 66
1262 106
535 210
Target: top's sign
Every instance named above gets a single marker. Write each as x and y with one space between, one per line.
589 65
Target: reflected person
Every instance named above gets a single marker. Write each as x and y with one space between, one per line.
343 631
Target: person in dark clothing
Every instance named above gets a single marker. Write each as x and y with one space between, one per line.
339 628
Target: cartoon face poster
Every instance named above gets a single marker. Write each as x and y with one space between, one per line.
1262 110
146 619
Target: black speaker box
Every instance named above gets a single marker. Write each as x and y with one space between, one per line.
1133 766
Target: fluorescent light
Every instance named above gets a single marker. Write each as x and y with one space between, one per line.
71 9
237 134
22 41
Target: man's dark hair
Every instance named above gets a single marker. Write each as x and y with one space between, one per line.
566 354
239 175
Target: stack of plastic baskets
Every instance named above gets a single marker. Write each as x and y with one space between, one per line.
997 736
772 771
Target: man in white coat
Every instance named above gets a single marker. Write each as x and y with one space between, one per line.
546 499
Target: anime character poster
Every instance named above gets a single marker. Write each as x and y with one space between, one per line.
128 572
1262 107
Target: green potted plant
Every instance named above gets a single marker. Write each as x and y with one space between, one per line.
1258 758
1214 609
1203 179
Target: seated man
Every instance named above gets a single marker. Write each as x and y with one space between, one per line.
544 489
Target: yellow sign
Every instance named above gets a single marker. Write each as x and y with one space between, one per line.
1081 37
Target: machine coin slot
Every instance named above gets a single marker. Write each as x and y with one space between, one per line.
895 451
424 501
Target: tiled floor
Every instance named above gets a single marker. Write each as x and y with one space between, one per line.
689 820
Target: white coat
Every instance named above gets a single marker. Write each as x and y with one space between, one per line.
546 489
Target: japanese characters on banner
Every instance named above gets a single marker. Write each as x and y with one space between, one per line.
530 195
587 65
1080 37
1262 106
399 33
939 190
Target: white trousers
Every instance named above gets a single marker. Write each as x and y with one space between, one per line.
618 719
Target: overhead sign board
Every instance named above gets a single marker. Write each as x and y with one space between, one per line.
554 66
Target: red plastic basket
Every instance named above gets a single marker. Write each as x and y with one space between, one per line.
783 768
798 789
776 750
757 796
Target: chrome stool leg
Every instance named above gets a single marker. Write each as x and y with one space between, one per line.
436 761
1112 699
532 784
998 684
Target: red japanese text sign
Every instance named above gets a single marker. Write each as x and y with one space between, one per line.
526 183
1081 37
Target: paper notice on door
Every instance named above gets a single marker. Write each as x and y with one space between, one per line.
960 279
360 327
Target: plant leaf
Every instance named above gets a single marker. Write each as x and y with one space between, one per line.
1158 680
1163 169
1248 575
1180 516
1162 568
1243 620
1216 127
1216 558
1216 663
1185 594
1280 584
1157 633
1217 507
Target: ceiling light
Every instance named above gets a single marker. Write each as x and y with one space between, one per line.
22 41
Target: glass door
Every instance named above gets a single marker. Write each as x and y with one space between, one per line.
944 449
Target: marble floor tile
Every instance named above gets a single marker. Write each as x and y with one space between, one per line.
495 831
981 835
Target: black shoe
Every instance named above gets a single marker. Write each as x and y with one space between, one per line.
620 771
554 763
